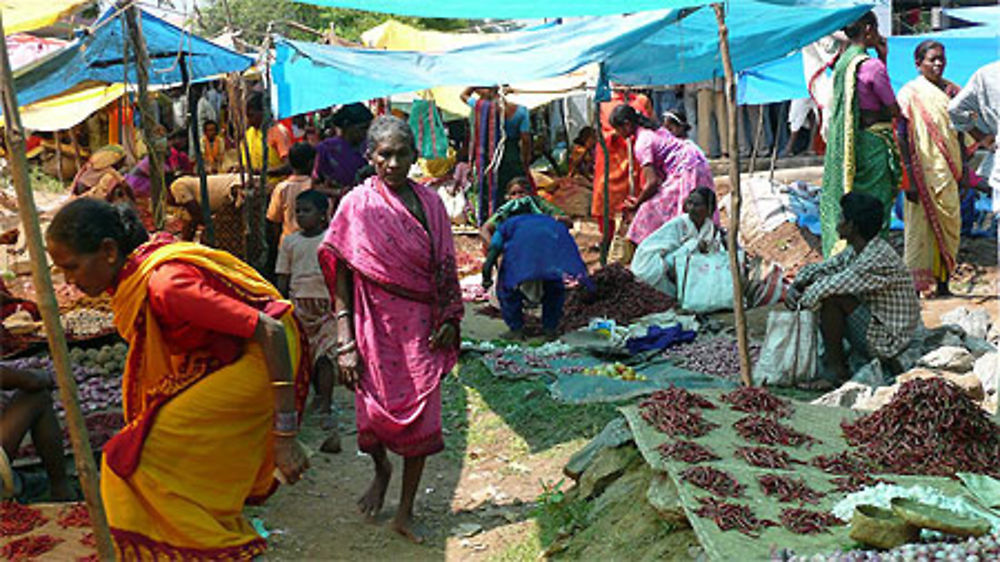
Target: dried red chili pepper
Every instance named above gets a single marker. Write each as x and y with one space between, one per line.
16 519
89 558
766 431
732 516
717 481
930 427
680 398
671 412
757 400
844 462
855 482
89 540
687 451
29 547
788 489
74 516
808 522
766 457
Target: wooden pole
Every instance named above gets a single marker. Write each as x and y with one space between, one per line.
82 453
606 234
59 158
739 315
76 150
756 140
193 134
156 187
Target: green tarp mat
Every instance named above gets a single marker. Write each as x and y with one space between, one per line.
821 423
583 389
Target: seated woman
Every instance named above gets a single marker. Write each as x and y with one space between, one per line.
213 387
864 294
28 407
520 201
656 258
538 256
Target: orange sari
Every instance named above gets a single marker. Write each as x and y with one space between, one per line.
197 445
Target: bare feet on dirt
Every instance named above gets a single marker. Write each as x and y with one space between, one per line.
370 504
403 524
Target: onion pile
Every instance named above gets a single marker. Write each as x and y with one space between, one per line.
86 322
983 548
716 356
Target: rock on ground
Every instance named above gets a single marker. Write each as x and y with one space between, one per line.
949 358
976 322
849 394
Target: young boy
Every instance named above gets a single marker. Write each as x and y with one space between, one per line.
281 210
212 147
538 256
301 280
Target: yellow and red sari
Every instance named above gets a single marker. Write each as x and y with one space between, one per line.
197 445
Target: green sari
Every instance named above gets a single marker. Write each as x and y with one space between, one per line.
857 159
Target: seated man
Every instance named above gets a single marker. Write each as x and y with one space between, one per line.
538 256
864 293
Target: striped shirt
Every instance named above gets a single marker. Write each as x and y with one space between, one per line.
878 278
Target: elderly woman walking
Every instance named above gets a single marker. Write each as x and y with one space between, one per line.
212 385
933 156
389 260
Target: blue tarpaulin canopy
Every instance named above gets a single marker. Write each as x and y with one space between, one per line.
967 50
648 48
97 57
508 9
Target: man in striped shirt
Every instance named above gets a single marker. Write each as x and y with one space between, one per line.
864 294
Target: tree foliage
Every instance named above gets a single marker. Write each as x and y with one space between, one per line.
251 18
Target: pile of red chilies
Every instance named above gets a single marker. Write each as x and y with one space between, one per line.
788 489
732 516
930 427
670 411
841 463
17 519
855 482
89 540
30 547
808 522
617 295
719 482
766 457
89 558
766 431
687 451
757 400
75 516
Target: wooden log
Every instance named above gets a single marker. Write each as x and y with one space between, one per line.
156 188
739 315
82 453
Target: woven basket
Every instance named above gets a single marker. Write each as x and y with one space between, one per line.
881 528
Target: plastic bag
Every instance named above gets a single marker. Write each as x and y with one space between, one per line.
790 350
706 284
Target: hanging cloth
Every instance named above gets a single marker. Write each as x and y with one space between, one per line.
426 123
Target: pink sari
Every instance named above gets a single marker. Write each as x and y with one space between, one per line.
682 167
405 286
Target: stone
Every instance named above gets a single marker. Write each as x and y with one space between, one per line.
663 498
870 374
979 346
466 529
615 434
987 369
882 396
975 323
968 382
846 396
948 335
608 466
949 358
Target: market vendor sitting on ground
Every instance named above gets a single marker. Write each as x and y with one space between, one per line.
520 201
538 256
656 258
865 293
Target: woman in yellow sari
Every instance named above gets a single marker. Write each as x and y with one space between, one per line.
933 158
212 387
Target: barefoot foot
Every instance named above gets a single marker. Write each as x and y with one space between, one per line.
370 504
404 526
332 443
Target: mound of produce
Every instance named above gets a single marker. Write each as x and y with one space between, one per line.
930 427
617 295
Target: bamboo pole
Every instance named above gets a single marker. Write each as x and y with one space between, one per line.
59 158
82 453
193 134
606 235
756 141
76 150
739 315
156 187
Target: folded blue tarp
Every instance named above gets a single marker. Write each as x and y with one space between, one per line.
648 48
97 57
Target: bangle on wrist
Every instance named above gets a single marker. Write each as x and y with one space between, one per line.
347 347
279 384
342 314
286 422
284 433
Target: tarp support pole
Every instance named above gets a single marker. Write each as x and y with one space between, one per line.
76 150
156 187
82 453
606 234
206 205
739 315
59 158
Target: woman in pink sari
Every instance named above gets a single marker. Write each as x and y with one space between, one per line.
671 169
389 260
